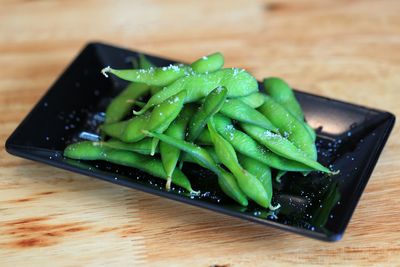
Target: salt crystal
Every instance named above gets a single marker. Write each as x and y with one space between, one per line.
235 71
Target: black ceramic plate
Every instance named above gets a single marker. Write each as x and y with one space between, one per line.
350 138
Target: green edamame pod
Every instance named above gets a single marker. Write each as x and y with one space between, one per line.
281 92
141 147
163 115
289 126
238 83
212 104
229 186
86 150
208 64
199 154
93 151
144 63
210 150
154 145
238 110
249 184
117 129
158 120
254 100
170 154
127 131
246 145
281 146
153 77
122 104
260 170
201 157
226 180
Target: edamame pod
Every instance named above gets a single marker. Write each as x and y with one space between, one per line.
93 151
247 146
208 64
238 110
199 154
170 154
163 115
212 104
117 129
129 130
153 77
289 126
201 157
158 120
166 112
229 186
238 82
210 150
141 147
260 170
249 184
281 146
281 92
254 100
122 104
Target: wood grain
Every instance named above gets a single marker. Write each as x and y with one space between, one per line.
345 49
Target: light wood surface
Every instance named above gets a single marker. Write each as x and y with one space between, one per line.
349 50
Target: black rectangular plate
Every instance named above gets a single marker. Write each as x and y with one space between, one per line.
350 139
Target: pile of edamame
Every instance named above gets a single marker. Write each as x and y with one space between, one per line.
209 115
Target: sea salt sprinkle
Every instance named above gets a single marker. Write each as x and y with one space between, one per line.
171 101
229 127
236 71
219 89
171 67
269 134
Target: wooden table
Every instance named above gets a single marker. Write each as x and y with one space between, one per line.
349 50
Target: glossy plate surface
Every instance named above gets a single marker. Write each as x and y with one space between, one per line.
350 139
